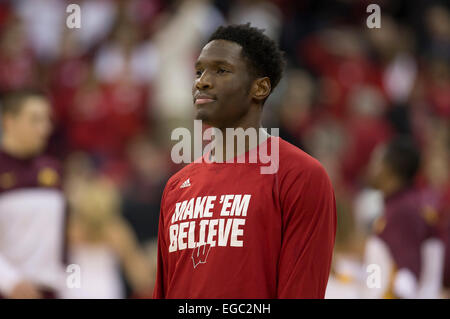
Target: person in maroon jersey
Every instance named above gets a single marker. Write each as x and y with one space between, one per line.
226 230
32 204
405 244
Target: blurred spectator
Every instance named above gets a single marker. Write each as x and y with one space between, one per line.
142 192
149 171
32 203
100 240
405 244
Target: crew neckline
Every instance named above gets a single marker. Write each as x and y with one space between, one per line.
205 159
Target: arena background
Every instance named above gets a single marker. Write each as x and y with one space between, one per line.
122 82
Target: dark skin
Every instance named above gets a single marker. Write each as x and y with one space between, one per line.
225 93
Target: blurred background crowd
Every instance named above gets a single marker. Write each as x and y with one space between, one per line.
122 81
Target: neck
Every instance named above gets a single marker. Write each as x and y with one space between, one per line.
11 147
232 147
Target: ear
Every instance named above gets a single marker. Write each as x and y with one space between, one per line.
261 88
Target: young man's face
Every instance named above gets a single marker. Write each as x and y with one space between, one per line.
31 126
221 90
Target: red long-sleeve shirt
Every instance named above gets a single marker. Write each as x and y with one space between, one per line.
228 231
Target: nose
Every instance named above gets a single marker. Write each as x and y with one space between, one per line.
203 82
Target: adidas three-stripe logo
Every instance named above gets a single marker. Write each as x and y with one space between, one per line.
186 183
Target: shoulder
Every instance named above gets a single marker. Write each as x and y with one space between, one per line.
41 171
414 205
301 175
296 162
8 161
303 184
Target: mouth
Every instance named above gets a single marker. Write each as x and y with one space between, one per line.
204 101
201 99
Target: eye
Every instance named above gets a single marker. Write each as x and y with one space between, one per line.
198 73
221 71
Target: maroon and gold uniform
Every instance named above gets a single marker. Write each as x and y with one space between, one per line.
32 223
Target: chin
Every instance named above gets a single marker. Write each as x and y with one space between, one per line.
203 116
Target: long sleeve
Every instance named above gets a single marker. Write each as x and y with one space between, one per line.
309 229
